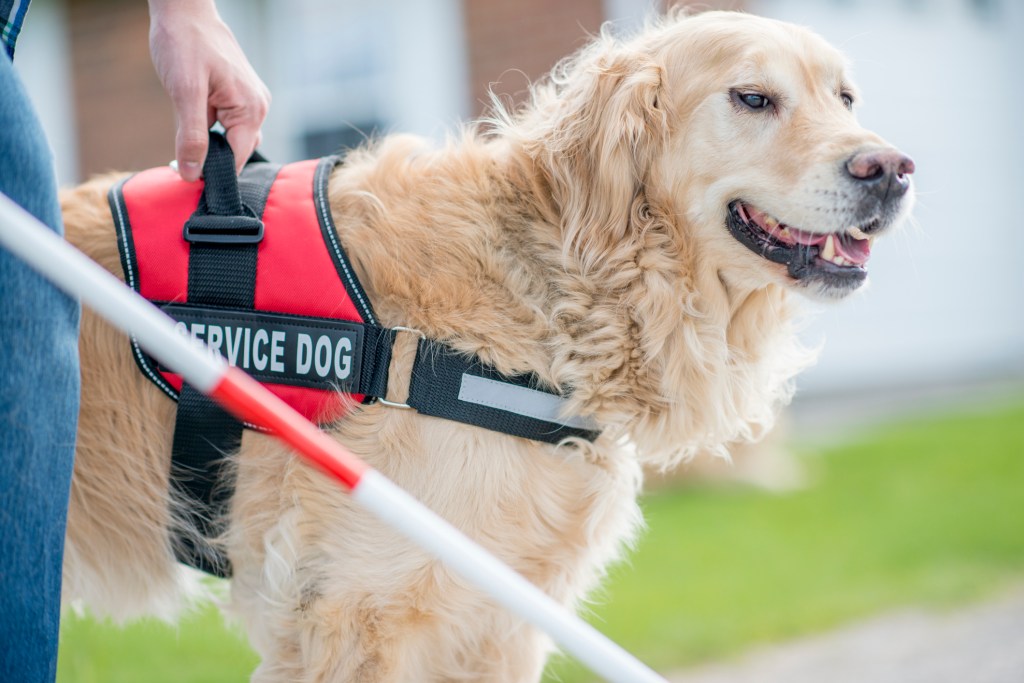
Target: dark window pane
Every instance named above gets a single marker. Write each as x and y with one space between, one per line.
318 143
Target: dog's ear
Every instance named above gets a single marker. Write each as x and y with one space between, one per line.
605 131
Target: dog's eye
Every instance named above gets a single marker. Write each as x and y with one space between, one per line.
847 100
754 100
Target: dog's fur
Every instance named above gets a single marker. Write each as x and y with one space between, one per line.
581 238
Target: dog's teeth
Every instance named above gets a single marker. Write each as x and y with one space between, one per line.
771 222
828 252
857 233
871 241
840 261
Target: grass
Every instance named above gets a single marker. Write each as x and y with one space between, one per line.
198 650
927 512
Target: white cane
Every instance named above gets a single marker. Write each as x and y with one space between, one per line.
79 276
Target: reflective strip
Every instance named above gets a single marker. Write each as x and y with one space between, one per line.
540 405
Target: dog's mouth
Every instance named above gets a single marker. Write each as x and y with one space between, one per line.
835 259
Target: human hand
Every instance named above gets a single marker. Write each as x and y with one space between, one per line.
208 78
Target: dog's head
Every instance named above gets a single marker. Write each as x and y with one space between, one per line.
700 171
741 132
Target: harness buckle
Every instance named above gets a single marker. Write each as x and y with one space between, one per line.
393 404
215 229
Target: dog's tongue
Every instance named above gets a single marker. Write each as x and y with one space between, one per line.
852 249
811 239
855 251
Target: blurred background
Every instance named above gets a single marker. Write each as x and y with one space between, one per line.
939 78
912 419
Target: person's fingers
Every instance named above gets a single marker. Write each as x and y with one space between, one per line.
243 140
242 121
192 140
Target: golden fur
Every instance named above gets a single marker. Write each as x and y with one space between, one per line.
581 239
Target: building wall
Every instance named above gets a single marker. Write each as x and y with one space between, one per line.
44 64
338 69
124 117
344 69
944 303
510 44
426 65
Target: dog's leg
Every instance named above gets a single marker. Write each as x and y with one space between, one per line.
373 609
331 593
118 555
379 640
339 646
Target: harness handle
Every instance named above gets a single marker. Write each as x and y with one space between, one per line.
222 217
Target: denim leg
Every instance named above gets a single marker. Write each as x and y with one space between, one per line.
39 388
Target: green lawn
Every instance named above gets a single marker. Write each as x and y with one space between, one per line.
199 650
926 512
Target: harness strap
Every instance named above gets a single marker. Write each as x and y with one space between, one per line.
353 357
224 234
203 436
454 386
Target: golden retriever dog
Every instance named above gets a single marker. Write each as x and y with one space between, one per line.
635 234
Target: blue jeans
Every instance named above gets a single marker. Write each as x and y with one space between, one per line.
39 388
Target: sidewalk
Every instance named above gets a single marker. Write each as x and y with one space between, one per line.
978 644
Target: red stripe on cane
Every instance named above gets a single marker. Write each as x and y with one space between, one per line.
248 400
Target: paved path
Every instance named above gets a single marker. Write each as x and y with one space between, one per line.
980 644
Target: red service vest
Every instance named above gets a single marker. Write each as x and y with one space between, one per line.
302 273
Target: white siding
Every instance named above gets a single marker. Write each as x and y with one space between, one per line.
330 63
42 61
628 15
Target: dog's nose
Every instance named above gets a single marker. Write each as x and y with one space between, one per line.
882 172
